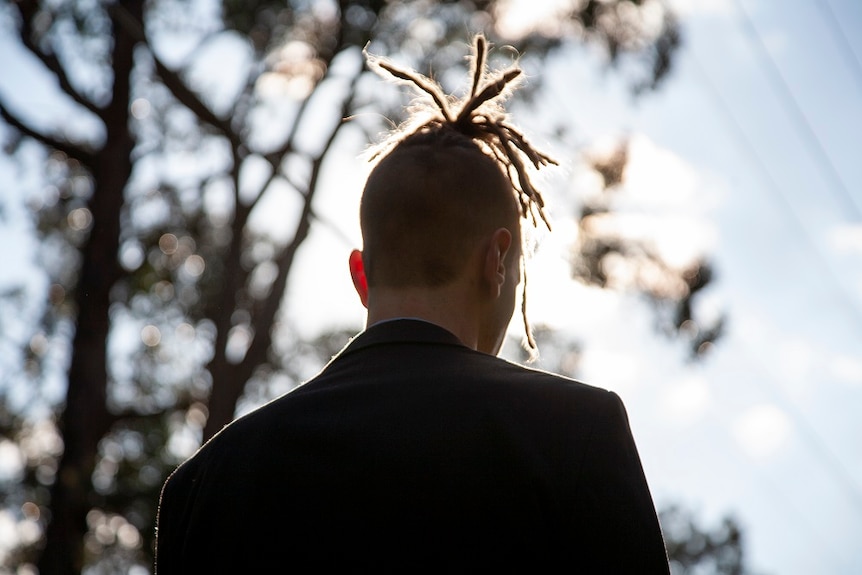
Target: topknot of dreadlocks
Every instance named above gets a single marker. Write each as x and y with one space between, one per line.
481 117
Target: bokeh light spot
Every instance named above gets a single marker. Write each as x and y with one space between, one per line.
151 336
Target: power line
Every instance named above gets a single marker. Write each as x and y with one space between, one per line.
800 120
840 38
829 460
831 464
789 504
772 186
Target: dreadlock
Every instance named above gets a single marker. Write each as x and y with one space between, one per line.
480 118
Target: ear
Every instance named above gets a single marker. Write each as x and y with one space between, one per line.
495 260
357 273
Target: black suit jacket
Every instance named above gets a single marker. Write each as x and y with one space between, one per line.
412 452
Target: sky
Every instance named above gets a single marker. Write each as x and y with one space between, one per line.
749 155
767 427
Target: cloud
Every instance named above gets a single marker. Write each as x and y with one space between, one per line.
687 8
762 430
847 369
656 176
686 400
796 360
666 200
516 18
611 369
846 239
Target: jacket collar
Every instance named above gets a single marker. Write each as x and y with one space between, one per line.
401 331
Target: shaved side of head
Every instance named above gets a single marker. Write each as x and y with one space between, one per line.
425 206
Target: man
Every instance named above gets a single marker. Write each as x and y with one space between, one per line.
416 448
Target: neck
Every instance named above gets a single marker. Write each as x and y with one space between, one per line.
446 307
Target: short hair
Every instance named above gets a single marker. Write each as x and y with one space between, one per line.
446 178
430 198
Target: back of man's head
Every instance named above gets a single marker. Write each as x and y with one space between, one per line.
427 204
446 180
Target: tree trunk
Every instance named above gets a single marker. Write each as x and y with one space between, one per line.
86 419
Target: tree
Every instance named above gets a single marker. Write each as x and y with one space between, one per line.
693 549
139 239
604 256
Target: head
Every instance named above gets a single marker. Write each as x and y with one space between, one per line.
445 201
430 211
427 205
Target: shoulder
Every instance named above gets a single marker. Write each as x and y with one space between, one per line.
543 398
515 376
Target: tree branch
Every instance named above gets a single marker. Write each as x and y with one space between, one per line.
72 150
129 415
172 79
275 157
266 311
28 12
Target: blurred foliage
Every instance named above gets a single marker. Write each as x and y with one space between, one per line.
160 316
607 255
692 549
558 353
